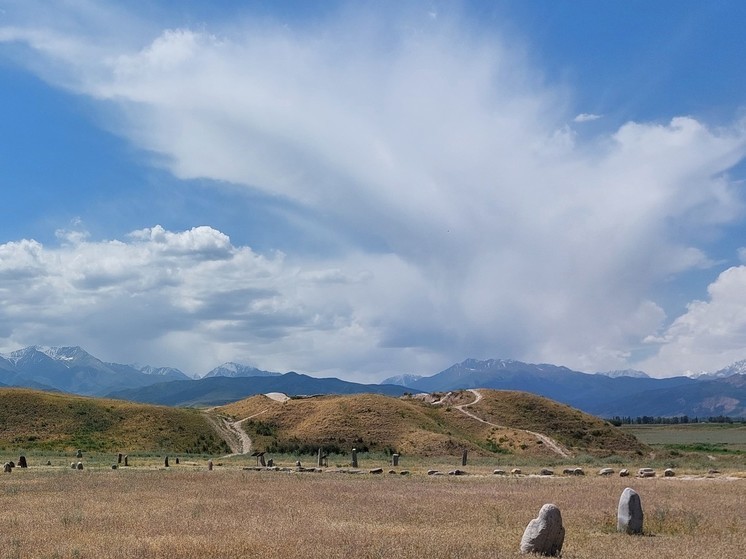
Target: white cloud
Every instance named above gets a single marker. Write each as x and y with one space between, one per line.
710 335
496 232
586 117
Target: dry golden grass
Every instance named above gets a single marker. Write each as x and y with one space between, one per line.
229 513
413 427
30 419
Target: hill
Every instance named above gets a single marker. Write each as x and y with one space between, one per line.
219 390
31 419
508 424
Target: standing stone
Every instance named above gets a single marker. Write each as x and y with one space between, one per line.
545 534
319 458
463 458
119 458
354 458
49 462
78 453
22 462
165 462
7 469
668 472
262 462
72 465
209 465
624 473
79 465
177 459
629 512
270 463
126 460
394 459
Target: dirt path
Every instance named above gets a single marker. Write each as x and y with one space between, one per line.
233 433
549 442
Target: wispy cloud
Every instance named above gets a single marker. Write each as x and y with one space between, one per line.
495 233
586 117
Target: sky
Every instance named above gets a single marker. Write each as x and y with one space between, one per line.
362 189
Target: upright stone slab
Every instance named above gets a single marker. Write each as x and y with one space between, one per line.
629 513
463 458
165 462
119 458
22 462
209 465
79 454
354 458
270 463
126 460
262 461
394 459
7 469
545 534
177 460
79 465
319 458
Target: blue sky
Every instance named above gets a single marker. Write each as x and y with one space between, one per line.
361 189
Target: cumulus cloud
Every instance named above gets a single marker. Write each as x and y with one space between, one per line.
488 229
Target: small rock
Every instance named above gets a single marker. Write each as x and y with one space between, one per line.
12 464
78 453
578 472
668 472
624 473
499 472
114 466
605 472
404 473
22 462
545 534
713 472
79 465
7 469
432 472
646 472
629 512
49 462
546 472
457 473
516 471
72 465
392 471
376 471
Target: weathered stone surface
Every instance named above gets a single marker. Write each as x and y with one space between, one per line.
516 471
354 458
546 472
624 473
605 471
463 457
545 534
79 465
72 465
499 472
394 460
629 512
646 472
668 472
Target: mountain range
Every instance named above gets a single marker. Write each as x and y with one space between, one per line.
616 393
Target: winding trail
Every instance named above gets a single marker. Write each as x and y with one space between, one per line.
232 432
549 442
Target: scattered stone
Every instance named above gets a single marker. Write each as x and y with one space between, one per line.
319 458
545 534
516 471
392 471
49 462
624 473
354 458
646 472
177 460
395 460
262 461
126 459
457 473
298 464
376 471
7 469
605 472
79 465
546 472
270 463
499 472
78 453
22 462
209 465
629 512
72 465
568 472
119 458
463 458
404 473
114 466
713 472
432 472
578 472
12 464
668 472
165 462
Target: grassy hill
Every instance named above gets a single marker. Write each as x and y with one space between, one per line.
31 420
415 427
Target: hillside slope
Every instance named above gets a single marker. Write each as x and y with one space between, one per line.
416 426
31 419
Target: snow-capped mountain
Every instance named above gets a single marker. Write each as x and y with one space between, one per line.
632 373
737 368
233 370
405 380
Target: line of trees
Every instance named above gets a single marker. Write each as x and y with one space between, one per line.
677 420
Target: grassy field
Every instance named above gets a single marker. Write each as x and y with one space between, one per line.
230 513
703 437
